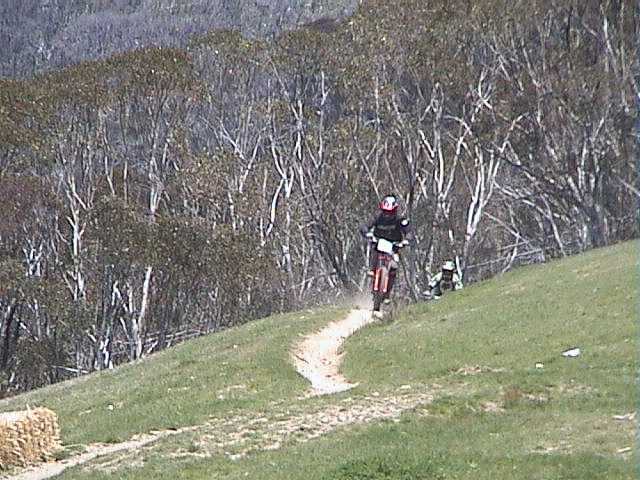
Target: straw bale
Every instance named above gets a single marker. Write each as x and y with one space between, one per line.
28 437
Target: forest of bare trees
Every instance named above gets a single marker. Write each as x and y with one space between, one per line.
164 192
40 35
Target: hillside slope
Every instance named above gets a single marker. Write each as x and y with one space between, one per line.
239 152
43 35
493 396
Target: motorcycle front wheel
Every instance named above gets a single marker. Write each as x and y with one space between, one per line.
381 281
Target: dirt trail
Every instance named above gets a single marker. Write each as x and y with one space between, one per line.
318 357
52 469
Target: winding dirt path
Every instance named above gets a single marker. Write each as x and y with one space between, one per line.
318 357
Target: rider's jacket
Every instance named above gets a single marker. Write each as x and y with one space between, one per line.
389 227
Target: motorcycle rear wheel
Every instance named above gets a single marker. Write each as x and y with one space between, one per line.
377 301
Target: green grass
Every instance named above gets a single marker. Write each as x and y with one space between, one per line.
184 385
514 321
550 423
471 446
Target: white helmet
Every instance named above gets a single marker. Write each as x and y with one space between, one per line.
448 265
389 204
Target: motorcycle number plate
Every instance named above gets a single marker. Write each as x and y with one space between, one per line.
384 246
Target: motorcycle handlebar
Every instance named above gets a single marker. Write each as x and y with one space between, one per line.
400 244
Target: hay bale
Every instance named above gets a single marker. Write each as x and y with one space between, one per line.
28 437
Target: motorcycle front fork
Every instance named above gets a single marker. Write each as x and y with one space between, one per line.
384 284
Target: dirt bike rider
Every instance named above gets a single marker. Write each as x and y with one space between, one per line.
446 279
388 225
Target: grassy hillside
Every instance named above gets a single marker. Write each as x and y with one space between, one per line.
243 368
495 413
557 420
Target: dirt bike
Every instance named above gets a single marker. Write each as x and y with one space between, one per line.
384 269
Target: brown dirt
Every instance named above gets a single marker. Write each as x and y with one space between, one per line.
318 357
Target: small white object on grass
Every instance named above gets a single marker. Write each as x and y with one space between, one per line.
629 416
573 352
539 365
